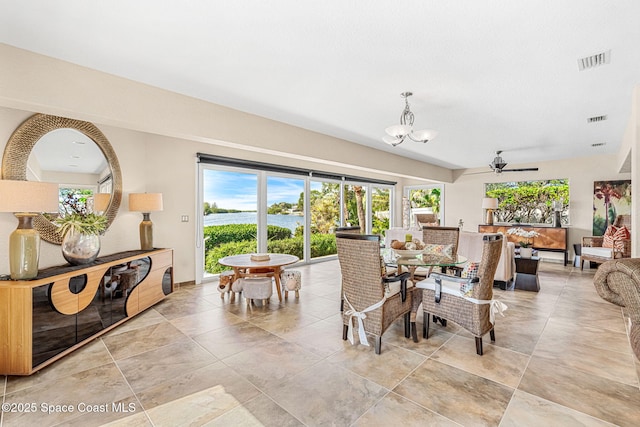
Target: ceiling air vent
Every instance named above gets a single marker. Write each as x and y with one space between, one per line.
596 119
598 144
593 61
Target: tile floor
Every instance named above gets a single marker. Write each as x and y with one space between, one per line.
561 358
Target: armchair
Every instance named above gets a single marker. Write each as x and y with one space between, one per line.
615 244
618 281
372 298
422 220
467 302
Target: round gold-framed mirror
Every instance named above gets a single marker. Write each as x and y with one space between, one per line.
21 144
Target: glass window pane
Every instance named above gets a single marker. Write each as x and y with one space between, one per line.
380 209
285 216
324 202
230 221
355 206
425 201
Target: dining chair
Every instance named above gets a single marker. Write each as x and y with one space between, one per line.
466 301
439 239
350 229
372 298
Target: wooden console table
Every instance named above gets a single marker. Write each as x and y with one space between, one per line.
65 307
552 239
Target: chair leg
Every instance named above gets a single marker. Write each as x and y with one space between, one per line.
425 326
492 334
414 331
479 345
345 331
341 305
378 344
407 325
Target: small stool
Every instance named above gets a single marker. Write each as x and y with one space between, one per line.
254 288
291 280
226 277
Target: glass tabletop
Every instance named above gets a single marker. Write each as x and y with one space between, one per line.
421 260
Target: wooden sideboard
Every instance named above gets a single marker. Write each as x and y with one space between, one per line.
65 307
552 239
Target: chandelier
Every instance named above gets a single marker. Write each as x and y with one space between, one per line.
398 133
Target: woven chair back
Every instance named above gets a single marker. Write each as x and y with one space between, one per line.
359 257
491 252
354 229
442 236
426 219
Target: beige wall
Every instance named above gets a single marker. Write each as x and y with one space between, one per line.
156 135
463 196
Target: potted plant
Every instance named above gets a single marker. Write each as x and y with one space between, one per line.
80 230
526 251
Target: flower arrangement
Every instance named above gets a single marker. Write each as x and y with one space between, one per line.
526 235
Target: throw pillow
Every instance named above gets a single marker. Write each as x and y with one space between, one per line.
614 238
439 250
470 270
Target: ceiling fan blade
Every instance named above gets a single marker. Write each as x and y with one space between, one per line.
520 170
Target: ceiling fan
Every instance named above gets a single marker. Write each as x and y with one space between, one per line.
498 165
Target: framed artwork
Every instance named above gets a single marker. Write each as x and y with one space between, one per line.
610 199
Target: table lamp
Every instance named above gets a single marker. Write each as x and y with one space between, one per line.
490 204
145 203
26 200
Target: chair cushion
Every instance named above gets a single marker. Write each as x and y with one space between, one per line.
449 287
597 251
392 288
614 237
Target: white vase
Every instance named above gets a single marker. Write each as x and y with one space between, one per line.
526 252
79 248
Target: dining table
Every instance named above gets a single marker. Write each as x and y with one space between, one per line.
264 265
426 260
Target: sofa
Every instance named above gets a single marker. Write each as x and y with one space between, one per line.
470 246
618 281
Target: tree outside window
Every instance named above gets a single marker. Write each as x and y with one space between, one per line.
530 202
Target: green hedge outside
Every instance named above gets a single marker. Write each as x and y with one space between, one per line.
216 235
321 245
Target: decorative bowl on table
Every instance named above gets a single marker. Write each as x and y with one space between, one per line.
405 253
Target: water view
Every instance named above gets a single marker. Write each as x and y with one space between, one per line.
287 221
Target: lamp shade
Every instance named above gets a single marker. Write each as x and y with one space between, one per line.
424 134
145 202
101 201
28 196
398 131
489 203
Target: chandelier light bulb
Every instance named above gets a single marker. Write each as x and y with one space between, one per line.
398 133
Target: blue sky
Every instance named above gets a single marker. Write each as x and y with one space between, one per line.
236 190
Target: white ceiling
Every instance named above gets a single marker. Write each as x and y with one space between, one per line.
487 75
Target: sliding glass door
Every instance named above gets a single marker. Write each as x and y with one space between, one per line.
245 211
